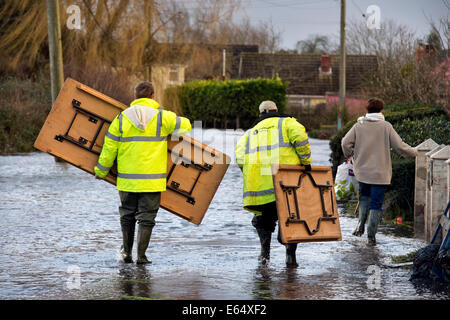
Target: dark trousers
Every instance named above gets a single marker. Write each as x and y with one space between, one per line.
375 192
268 219
139 206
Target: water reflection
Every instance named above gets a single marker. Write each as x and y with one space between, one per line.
262 281
55 216
290 284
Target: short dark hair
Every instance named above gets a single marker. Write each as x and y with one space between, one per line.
144 90
374 105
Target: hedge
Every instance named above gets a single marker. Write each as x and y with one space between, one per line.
414 124
221 103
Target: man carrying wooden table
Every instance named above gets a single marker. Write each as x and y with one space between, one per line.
137 138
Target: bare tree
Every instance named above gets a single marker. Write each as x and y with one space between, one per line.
122 39
440 32
262 34
23 29
401 76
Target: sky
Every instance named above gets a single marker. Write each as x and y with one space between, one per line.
297 19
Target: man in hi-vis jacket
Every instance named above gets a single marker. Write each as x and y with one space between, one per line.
137 138
274 138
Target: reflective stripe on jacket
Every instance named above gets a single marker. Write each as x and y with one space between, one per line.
274 140
137 137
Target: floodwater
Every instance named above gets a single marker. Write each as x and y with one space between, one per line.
61 238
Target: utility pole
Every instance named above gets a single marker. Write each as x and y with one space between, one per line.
55 48
342 69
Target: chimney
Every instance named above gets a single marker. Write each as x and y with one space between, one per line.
325 64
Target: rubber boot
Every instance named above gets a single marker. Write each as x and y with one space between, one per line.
265 238
363 213
128 239
291 260
374 220
143 238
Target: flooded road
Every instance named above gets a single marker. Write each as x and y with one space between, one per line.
61 238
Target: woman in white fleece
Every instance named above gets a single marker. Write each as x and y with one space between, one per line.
369 142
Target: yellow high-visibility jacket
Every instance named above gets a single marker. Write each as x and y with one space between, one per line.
275 140
137 137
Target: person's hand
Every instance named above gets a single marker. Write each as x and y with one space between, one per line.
98 178
307 167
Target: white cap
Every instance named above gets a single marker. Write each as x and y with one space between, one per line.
266 106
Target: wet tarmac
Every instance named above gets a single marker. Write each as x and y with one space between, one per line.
61 237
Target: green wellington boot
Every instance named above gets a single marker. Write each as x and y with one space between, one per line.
143 238
265 238
291 260
128 239
363 213
374 219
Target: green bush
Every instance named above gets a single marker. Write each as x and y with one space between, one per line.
414 124
399 198
398 107
314 133
24 105
218 103
436 127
